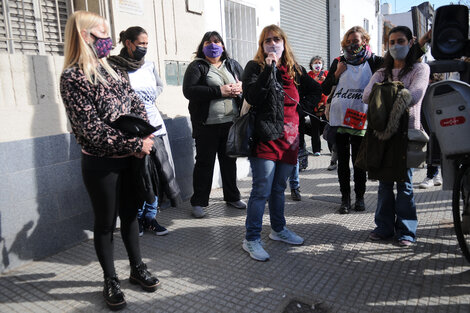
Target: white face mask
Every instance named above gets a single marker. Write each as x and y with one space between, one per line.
317 66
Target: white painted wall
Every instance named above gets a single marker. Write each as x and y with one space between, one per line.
400 19
345 14
354 12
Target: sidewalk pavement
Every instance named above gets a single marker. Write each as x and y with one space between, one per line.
203 268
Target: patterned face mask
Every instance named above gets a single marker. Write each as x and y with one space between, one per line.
102 46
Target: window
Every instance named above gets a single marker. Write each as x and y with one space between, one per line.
38 26
366 25
240 28
32 26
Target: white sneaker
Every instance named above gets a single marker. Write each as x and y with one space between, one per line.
437 180
198 211
240 204
286 236
255 249
427 183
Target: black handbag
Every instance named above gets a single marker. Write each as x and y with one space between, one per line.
240 136
134 125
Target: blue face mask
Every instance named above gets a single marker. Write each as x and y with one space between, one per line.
399 52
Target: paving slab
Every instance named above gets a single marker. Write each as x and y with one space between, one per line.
203 267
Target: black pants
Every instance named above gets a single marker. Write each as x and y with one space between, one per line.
108 182
317 131
211 141
348 145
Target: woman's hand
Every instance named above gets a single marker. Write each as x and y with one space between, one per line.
327 110
426 38
231 90
146 147
340 69
272 57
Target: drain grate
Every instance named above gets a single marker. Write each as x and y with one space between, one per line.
295 306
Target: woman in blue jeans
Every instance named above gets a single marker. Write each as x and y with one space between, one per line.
396 216
273 83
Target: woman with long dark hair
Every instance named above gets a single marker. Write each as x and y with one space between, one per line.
144 79
396 216
274 83
212 86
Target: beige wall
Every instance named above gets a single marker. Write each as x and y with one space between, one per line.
30 104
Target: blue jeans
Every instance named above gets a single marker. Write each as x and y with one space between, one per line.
396 216
148 210
269 183
294 177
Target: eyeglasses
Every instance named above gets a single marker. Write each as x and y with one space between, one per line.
270 39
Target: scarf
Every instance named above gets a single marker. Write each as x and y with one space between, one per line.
358 56
125 63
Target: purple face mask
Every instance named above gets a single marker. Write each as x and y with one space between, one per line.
213 50
102 46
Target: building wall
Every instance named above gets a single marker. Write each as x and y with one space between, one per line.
346 14
44 207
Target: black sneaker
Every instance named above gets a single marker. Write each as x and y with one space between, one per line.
345 206
157 228
112 293
141 276
295 194
360 205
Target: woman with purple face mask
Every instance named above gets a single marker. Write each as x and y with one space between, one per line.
212 86
95 96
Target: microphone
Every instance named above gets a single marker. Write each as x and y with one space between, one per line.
273 49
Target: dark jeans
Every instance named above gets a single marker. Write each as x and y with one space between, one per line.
211 141
108 182
348 145
431 171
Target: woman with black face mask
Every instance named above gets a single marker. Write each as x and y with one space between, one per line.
144 79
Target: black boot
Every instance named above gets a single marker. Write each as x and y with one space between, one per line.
141 276
359 205
345 205
295 194
112 293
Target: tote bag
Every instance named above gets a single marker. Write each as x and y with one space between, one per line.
240 135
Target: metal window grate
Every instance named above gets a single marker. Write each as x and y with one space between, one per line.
240 28
32 26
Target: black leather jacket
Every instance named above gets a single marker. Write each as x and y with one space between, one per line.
199 94
260 91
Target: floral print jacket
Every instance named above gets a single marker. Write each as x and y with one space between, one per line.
91 108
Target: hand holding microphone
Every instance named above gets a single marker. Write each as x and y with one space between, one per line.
272 58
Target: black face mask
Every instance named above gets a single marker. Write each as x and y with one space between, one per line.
139 52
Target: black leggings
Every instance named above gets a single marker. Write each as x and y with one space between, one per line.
108 182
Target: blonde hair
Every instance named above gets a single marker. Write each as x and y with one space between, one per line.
78 52
356 29
287 58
